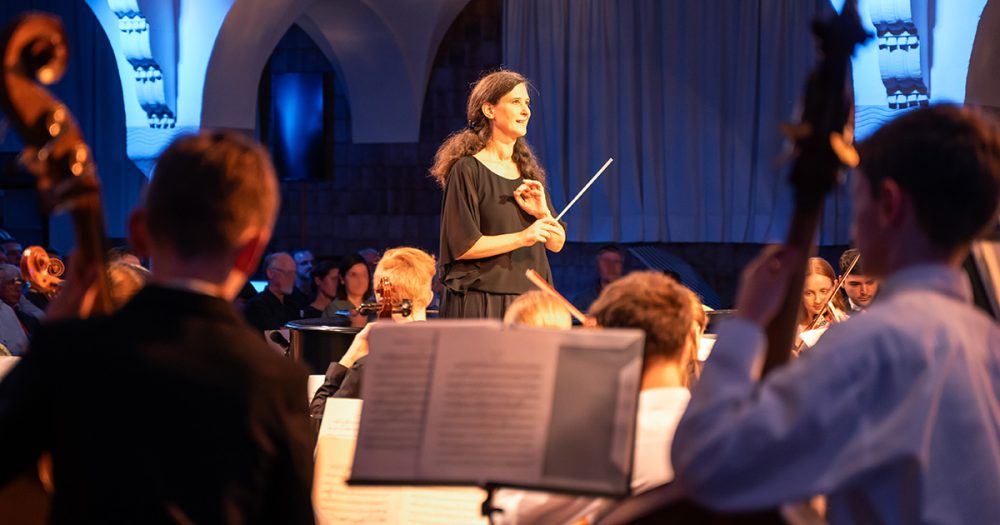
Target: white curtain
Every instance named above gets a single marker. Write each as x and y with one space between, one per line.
686 95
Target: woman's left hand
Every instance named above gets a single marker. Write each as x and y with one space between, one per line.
530 196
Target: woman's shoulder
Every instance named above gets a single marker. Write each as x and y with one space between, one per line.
466 164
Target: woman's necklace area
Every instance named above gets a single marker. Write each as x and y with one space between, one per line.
504 168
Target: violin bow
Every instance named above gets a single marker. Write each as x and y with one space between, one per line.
537 280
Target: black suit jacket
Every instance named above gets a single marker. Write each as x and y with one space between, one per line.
170 411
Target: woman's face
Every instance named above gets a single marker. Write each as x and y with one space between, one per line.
817 289
511 113
356 280
328 285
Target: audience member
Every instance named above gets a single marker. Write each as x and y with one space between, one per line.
171 410
11 249
303 290
894 415
326 279
12 288
272 308
410 272
860 287
661 308
610 262
355 288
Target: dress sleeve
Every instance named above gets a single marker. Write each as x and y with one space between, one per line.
459 212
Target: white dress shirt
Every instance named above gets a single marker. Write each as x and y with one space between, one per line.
659 411
895 414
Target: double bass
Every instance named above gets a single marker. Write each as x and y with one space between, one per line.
34 53
823 146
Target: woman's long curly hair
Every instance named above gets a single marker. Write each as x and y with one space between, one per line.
471 140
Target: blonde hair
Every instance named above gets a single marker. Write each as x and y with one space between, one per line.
819 266
539 309
410 270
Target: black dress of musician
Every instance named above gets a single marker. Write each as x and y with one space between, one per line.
496 220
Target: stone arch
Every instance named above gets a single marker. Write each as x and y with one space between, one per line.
382 49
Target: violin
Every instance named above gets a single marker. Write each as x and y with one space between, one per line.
34 52
387 303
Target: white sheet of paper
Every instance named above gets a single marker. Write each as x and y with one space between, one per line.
484 415
336 503
810 337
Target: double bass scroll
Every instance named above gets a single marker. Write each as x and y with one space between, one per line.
34 52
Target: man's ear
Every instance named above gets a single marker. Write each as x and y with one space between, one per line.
138 233
250 253
891 202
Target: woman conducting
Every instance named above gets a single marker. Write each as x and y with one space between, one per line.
496 219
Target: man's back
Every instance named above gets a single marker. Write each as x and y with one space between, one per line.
171 410
895 414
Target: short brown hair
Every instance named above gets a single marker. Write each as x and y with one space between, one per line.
125 280
653 302
947 160
207 189
537 308
410 271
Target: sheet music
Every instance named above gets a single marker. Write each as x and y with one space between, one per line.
491 406
476 403
336 503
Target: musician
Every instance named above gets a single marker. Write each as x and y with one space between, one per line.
817 291
496 217
860 287
410 271
895 413
610 261
171 410
661 308
539 309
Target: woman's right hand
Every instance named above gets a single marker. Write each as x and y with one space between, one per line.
540 231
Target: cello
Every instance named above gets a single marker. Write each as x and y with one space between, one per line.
823 146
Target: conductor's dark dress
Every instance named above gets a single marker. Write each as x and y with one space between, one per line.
479 202
170 411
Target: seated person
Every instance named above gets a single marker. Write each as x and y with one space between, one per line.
410 271
661 308
304 288
355 288
539 309
12 294
325 277
820 283
860 287
125 280
272 307
610 261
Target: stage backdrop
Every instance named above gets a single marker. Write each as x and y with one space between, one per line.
686 96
